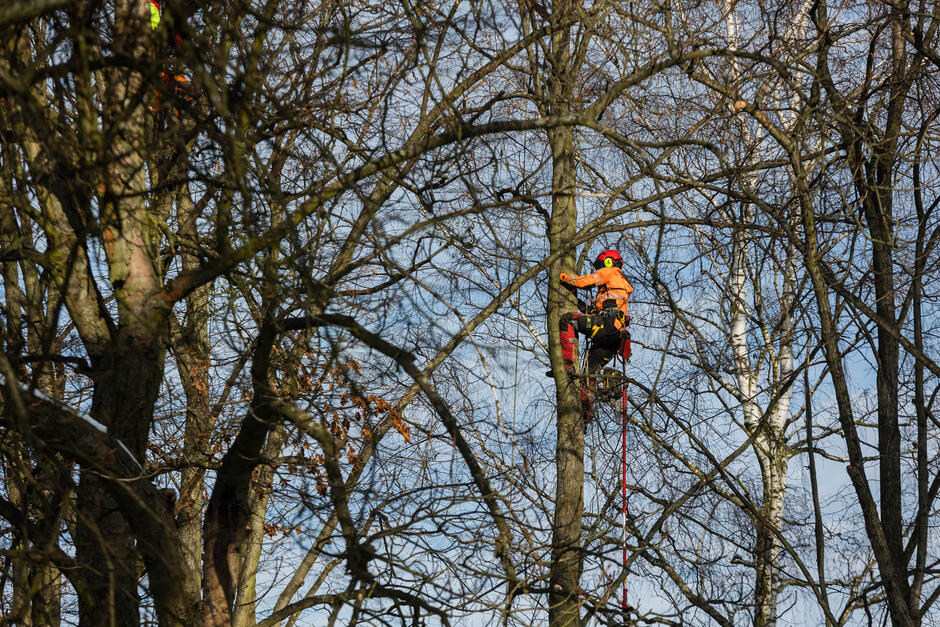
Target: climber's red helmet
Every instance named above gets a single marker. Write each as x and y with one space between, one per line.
608 259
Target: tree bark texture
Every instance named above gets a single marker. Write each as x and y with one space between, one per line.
567 558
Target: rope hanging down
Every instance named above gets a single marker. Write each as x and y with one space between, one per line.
624 606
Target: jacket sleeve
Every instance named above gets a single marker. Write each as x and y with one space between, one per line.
587 280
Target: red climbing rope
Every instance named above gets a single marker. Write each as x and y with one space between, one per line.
623 432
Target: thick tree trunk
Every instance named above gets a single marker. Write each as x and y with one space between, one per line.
106 556
128 368
127 380
19 607
879 219
47 581
567 556
199 420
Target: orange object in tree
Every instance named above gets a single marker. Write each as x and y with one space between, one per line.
174 83
609 279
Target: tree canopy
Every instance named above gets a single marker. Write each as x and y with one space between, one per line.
280 283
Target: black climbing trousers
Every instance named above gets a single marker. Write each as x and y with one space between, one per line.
600 327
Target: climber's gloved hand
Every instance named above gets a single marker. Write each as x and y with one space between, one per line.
565 277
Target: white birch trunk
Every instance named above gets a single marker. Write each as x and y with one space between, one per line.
769 436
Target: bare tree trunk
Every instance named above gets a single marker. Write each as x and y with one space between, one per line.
895 589
769 436
872 164
105 551
20 603
45 609
767 547
246 594
567 557
228 514
921 250
192 350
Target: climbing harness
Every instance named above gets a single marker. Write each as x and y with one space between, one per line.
604 384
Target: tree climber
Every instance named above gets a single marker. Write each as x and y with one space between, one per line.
606 324
172 80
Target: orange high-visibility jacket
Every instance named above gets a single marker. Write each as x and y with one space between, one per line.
611 284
